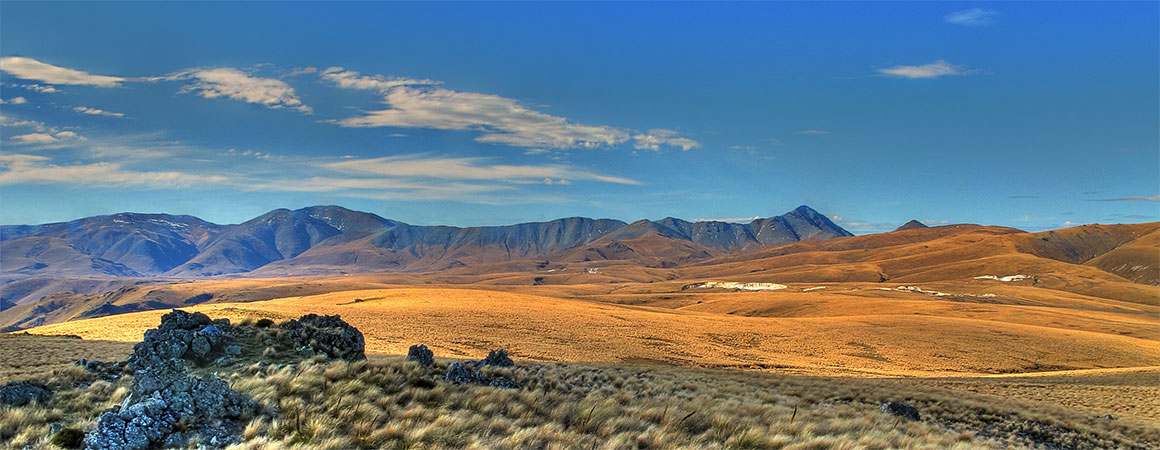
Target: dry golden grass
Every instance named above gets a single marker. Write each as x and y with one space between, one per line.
28 354
388 403
861 333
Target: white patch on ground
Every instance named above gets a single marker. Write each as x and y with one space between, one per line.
1007 278
738 286
815 288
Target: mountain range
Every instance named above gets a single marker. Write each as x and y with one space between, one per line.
335 240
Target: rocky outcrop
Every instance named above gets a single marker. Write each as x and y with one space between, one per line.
166 407
188 336
901 410
421 355
20 393
324 334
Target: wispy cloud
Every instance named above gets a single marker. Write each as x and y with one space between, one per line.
96 112
14 101
501 120
36 169
972 17
814 132
863 226
59 137
465 169
418 103
37 88
933 70
33 70
349 79
727 219
235 84
654 138
1153 198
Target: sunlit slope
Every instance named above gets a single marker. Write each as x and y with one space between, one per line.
956 253
467 323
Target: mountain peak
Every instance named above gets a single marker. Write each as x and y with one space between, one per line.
913 224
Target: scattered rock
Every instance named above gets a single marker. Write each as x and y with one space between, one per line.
324 334
460 373
901 410
421 354
20 393
108 371
498 358
465 373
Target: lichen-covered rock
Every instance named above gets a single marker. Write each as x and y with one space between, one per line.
108 371
497 358
324 334
421 354
162 397
20 393
189 336
901 410
462 373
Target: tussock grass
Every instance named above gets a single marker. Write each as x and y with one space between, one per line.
388 403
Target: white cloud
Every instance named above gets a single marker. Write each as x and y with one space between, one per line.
654 138
972 17
10 122
1151 198
933 70
727 219
59 137
863 226
96 112
38 88
31 69
237 85
34 169
814 132
464 169
502 120
348 79
417 103
14 101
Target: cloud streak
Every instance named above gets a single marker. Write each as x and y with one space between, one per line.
36 169
31 69
1153 198
465 169
936 69
96 112
973 17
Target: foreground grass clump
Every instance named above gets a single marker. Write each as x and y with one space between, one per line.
389 403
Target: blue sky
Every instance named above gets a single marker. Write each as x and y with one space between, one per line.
1031 115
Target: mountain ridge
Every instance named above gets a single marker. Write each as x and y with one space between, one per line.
335 240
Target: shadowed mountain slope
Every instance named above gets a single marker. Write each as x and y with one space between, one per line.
334 240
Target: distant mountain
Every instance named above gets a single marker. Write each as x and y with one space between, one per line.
118 245
913 224
332 239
